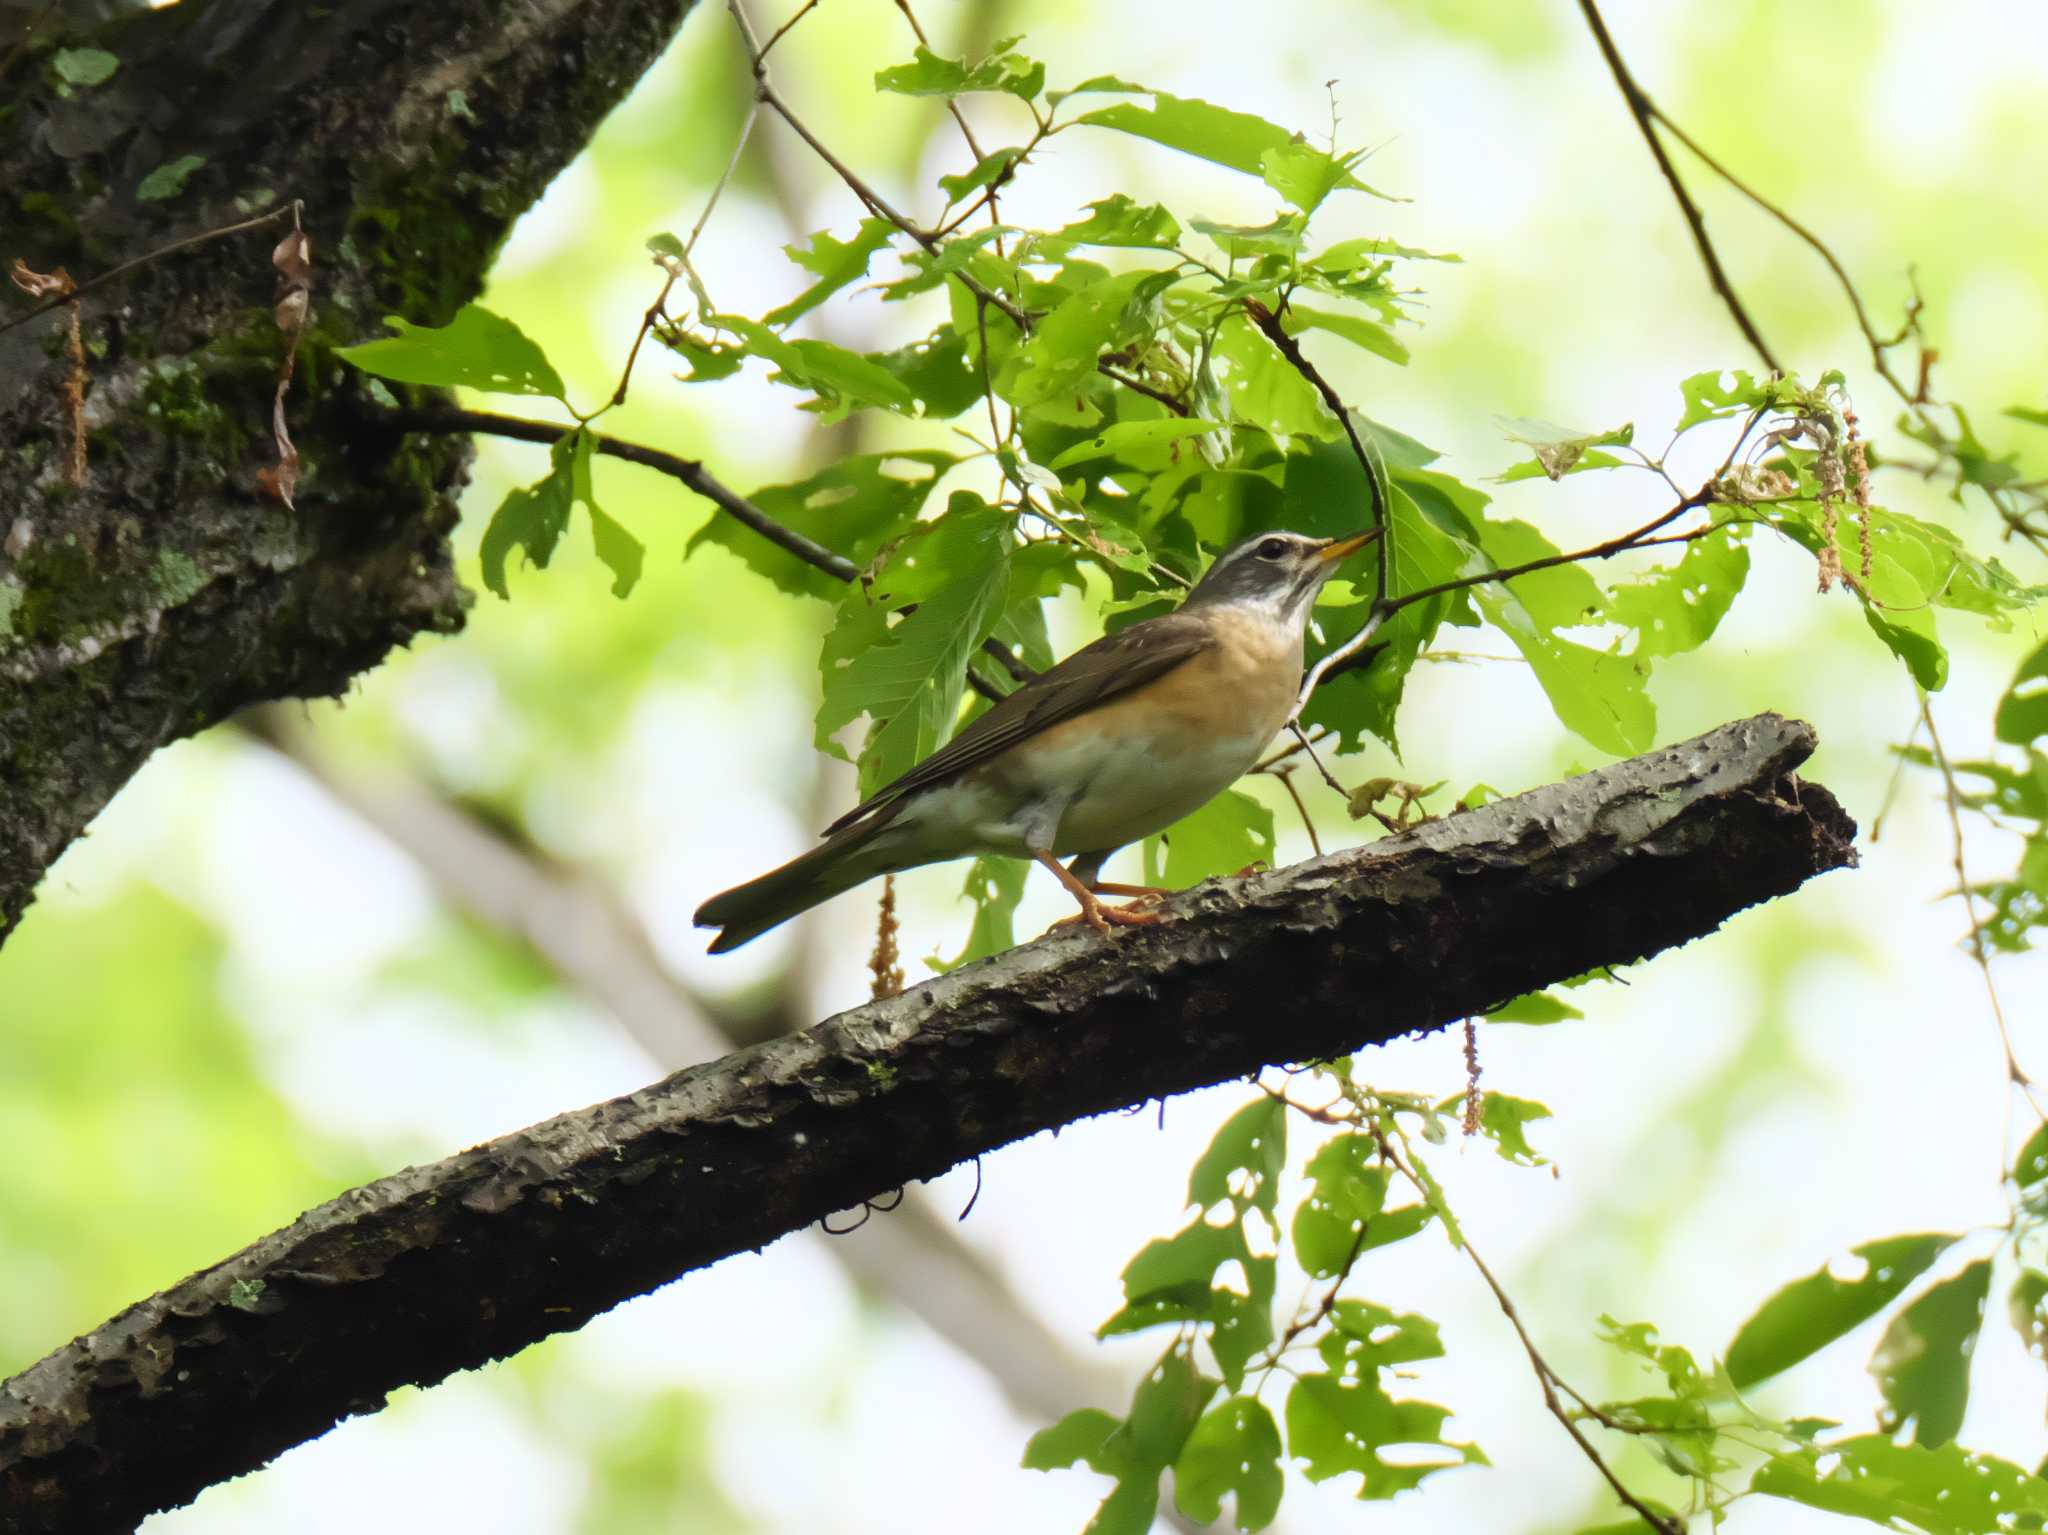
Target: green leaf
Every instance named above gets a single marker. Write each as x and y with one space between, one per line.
1536 1007
1341 1421
1501 1120
167 181
1713 396
1118 221
838 377
2027 1308
2023 710
1265 390
1221 136
989 169
936 372
475 350
1166 1406
1559 597
1231 832
666 244
1234 1448
84 66
910 683
1810 1313
534 517
2027 413
620 551
995 885
1243 242
1679 607
1348 1190
929 75
1079 1436
1596 694
835 263
1120 438
1945 1491
1059 360
2030 1167
853 508
1252 1141
1922 1364
1361 333
1306 176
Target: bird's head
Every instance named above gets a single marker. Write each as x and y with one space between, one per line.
1277 573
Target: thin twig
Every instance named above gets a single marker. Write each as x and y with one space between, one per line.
777 35
1139 386
1978 951
765 92
1275 332
656 311
1546 1377
1286 777
697 478
286 210
1645 113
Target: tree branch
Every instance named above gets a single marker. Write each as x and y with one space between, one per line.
697 478
1646 116
442 1268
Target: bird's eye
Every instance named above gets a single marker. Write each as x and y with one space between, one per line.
1273 549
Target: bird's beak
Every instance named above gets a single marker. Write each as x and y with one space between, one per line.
1343 548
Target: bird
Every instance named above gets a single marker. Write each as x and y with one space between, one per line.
1120 740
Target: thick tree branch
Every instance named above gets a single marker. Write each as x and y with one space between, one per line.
171 589
442 1268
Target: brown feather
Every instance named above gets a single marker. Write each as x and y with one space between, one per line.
1090 677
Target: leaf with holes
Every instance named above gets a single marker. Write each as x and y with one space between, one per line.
1922 1363
835 263
1234 1449
1810 1313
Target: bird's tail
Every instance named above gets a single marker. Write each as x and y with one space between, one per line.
745 912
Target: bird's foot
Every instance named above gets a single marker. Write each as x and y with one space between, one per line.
1102 918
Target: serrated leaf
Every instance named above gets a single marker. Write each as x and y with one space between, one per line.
1945 1491
1559 597
1242 242
853 508
475 350
910 683
1713 396
1166 1406
1217 134
1808 1314
1060 358
1922 1364
989 169
936 372
1596 694
1503 1119
1306 175
835 263
929 75
1117 221
1231 832
1235 1449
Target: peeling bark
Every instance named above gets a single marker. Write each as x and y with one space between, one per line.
443 1268
171 590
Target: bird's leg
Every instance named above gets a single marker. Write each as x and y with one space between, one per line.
1093 912
1087 868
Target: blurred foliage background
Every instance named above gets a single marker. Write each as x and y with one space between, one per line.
257 984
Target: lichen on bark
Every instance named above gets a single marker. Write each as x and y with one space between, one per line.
170 589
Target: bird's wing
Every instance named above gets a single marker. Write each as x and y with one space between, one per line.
1092 675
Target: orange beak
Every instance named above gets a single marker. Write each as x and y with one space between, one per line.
1343 548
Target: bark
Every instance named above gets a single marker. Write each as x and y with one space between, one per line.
443 1268
169 589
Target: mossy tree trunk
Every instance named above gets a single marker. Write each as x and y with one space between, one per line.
170 588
